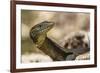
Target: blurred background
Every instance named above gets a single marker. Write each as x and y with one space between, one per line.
66 23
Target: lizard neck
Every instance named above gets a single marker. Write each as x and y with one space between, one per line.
39 39
53 50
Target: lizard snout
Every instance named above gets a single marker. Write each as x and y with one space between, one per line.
49 24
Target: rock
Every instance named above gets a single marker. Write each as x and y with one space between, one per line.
85 56
77 40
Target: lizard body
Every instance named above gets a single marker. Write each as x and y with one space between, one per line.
38 34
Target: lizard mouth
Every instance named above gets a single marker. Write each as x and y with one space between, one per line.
50 26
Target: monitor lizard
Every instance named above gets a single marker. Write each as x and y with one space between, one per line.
38 34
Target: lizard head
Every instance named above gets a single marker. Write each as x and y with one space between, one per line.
38 32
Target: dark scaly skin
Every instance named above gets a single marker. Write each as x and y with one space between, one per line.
53 50
38 34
